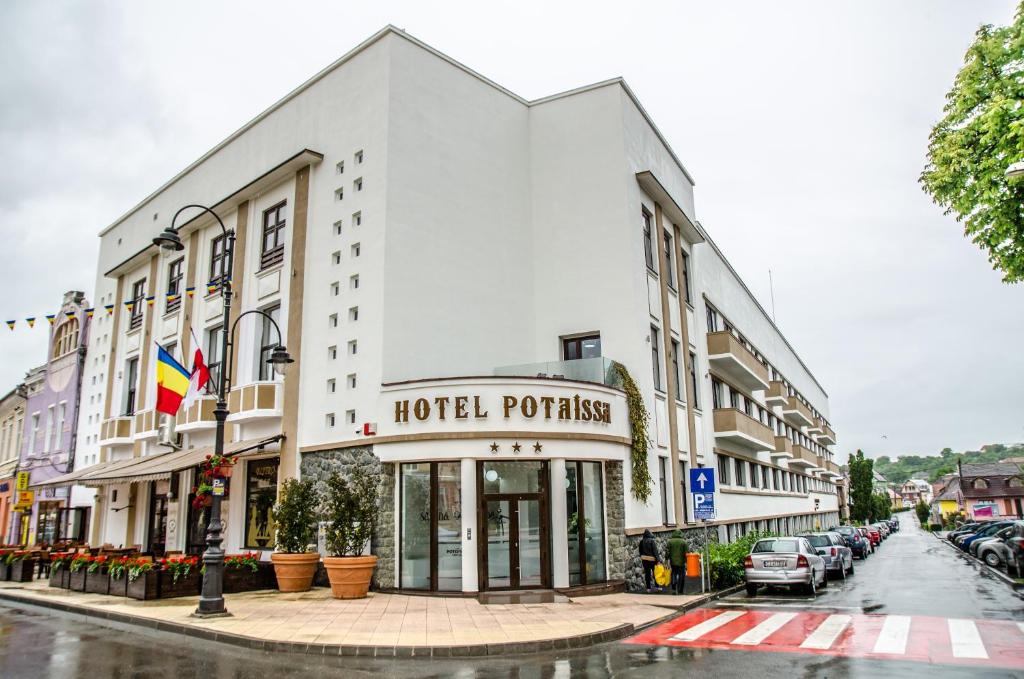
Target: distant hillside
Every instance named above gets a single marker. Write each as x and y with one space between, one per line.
931 467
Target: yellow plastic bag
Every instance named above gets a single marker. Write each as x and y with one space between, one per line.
662 574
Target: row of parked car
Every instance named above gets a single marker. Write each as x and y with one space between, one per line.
806 560
1000 544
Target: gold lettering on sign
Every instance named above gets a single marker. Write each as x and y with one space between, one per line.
529 406
574 408
401 411
460 407
476 409
508 403
422 409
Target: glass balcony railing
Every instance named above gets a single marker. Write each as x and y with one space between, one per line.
597 370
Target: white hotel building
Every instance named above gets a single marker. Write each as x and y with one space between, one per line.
454 269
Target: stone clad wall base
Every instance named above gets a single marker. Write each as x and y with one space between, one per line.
320 465
634 576
618 555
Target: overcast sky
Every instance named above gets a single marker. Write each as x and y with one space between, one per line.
805 126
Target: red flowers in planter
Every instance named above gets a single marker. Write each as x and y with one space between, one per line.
137 567
96 562
213 467
80 560
179 566
118 565
248 560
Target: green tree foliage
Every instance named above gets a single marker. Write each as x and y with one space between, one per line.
295 516
861 471
350 507
980 135
923 511
725 561
881 509
932 467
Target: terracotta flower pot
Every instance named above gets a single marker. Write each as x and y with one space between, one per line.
350 575
295 571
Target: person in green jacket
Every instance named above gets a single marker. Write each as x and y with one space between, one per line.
677 549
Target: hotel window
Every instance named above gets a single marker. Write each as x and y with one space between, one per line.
214 360
273 236
332 352
355 249
351 381
764 479
717 395
175 274
138 299
218 258
684 264
339 167
670 274
353 347
655 359
331 386
268 341
337 230
723 470
339 193
574 348
131 377
753 475
260 496
336 257
693 381
663 486
648 245
353 314
359 157
358 184
430 526
675 370
353 282
712 319
350 416
357 218
330 419
741 467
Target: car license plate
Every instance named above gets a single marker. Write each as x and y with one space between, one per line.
775 563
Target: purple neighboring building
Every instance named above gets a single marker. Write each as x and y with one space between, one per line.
51 425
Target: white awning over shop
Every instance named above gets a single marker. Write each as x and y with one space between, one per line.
152 467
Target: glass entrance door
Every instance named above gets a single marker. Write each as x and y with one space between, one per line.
514 523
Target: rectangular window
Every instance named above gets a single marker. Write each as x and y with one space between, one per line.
753 475
741 467
712 319
339 167
48 432
339 193
358 184
34 435
676 384
138 299
351 416
214 360
336 257
648 245
268 341
655 358
337 231
353 282
332 352
58 428
693 381
330 419
353 347
584 510
353 314
717 393
332 320
355 250
351 381
430 526
734 398
131 378
359 157
663 486
574 348
357 218
175 275
331 386
723 470
670 275
218 258
260 496
335 289
273 236
764 478
684 263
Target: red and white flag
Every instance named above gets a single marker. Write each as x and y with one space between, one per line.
200 376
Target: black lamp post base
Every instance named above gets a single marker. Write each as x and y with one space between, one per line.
206 616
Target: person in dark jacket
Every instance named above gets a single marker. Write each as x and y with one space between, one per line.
677 549
648 557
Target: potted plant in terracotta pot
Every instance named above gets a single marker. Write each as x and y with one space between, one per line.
351 510
296 519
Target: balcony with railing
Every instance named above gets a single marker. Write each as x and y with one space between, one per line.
826 437
797 412
116 431
783 448
735 362
598 370
802 457
147 423
829 469
736 427
198 416
256 401
775 394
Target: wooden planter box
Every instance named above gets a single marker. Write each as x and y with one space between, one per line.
98 582
187 585
245 580
77 582
5 570
60 577
145 587
118 586
23 571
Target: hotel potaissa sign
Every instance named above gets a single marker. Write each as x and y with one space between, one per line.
573 408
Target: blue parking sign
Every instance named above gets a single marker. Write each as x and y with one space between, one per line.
702 480
704 506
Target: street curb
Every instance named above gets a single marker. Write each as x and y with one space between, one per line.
468 651
685 608
1007 580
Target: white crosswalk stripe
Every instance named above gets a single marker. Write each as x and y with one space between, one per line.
763 630
827 633
700 629
965 639
893 637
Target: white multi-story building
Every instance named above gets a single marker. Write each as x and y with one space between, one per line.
457 272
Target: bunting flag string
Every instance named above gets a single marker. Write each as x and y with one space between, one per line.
31 321
149 300
50 318
109 308
10 324
89 312
190 291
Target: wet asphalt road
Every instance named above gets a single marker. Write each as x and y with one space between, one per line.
913 574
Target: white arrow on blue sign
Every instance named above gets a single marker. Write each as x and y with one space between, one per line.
702 480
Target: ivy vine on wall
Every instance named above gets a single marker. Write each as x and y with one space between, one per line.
642 484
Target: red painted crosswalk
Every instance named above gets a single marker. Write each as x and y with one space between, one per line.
961 641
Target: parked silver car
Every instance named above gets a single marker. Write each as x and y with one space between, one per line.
833 549
997 551
790 561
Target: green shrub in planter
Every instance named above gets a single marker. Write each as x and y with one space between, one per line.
725 561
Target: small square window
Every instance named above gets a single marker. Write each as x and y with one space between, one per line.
359 157
331 386
354 282
339 193
357 218
337 228
358 184
335 288
340 167
336 257
353 347
353 313
332 352
333 320
355 249
352 381
350 415
330 419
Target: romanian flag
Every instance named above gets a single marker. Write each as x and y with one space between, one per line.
211 287
130 304
50 317
149 300
190 291
109 308
89 312
69 314
31 322
10 324
171 382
